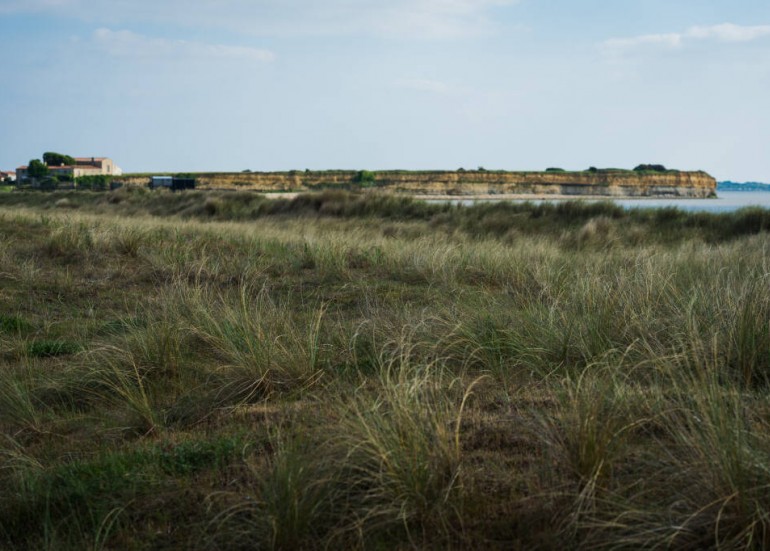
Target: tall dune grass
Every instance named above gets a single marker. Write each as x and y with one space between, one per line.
322 356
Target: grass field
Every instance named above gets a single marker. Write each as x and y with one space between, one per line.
223 371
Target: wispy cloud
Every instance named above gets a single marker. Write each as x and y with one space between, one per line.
671 40
726 32
129 44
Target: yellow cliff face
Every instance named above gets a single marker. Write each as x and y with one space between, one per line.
610 183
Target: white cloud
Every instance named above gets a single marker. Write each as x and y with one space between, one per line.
129 44
671 40
726 32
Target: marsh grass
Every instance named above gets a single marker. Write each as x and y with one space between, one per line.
125 384
19 407
69 240
750 334
592 421
721 446
85 501
623 359
290 505
261 347
404 447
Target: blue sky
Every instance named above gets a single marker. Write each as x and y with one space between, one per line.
383 84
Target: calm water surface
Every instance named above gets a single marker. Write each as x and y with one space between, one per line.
726 201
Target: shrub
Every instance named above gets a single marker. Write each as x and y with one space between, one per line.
650 168
365 177
99 182
49 183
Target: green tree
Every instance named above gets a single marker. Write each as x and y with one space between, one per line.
650 168
57 159
37 169
365 177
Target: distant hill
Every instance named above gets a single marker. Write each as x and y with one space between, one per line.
746 186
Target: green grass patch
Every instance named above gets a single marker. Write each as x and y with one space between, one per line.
14 324
73 498
48 348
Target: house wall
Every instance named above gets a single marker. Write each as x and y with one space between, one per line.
86 171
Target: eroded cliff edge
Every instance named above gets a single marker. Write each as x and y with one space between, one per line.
610 183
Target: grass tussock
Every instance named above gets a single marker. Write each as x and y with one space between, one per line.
404 444
260 346
224 371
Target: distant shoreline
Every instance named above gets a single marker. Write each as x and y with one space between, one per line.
500 197
543 197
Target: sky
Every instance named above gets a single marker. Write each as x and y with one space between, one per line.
230 85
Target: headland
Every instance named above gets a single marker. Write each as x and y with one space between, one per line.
465 183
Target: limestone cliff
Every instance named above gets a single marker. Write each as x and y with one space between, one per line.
610 183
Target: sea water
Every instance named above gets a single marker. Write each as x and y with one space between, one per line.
726 201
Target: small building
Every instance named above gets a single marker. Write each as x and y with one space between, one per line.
161 182
103 165
84 166
9 176
182 183
173 183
